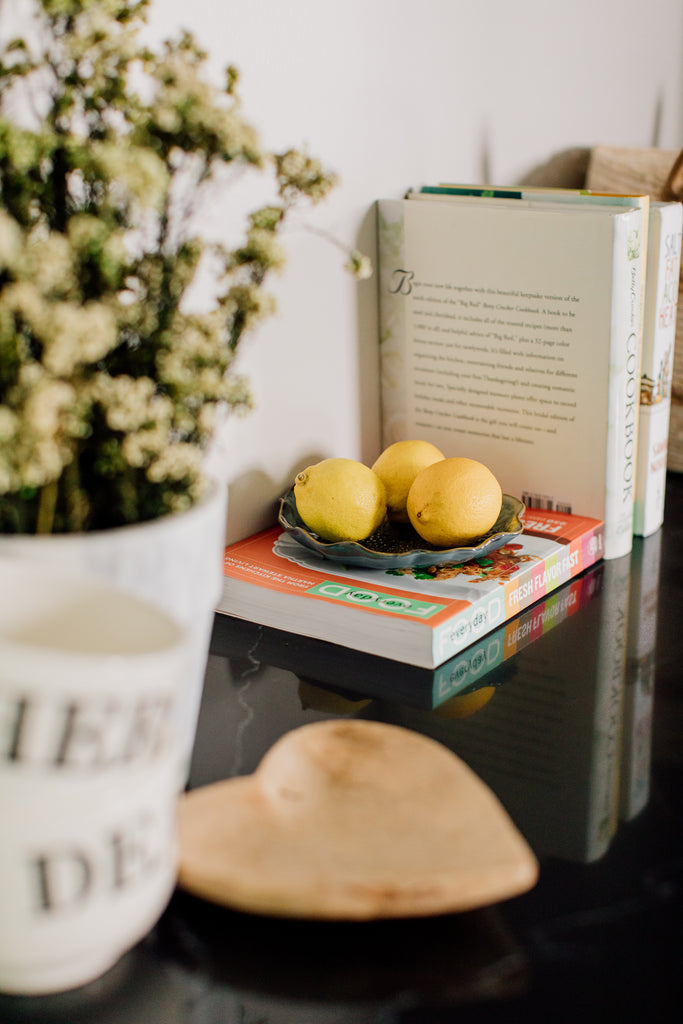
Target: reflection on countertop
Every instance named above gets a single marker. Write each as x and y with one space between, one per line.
575 723
553 710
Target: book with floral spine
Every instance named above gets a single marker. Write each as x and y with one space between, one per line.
659 336
422 616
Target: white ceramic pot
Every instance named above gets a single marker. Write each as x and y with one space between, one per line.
90 678
176 562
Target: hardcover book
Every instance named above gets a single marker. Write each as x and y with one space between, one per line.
511 332
659 336
662 240
422 616
647 169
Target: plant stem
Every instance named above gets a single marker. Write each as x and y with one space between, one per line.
76 503
46 507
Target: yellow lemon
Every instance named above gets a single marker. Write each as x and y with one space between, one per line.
319 698
464 704
454 501
340 499
397 467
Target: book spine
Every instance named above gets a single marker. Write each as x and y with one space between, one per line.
469 668
395 282
624 372
466 626
661 298
541 579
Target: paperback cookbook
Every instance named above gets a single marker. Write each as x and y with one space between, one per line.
420 615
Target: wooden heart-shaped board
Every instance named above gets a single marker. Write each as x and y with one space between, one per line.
352 820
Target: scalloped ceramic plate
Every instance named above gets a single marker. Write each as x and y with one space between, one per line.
398 546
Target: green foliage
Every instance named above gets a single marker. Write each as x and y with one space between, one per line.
108 385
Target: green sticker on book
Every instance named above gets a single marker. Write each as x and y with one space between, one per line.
376 598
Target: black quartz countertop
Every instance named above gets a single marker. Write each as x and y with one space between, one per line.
588 759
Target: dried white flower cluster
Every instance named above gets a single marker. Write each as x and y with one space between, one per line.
108 386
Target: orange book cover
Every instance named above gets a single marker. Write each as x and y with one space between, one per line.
420 615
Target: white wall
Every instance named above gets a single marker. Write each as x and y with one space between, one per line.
393 93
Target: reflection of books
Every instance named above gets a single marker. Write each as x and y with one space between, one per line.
640 675
548 743
511 329
545 734
355 675
419 616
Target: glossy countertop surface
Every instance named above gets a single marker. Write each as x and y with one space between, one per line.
573 714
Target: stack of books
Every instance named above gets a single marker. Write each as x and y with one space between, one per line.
533 330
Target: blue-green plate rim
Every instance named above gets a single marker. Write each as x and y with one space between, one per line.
508 525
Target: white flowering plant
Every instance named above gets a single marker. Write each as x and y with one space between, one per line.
109 385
